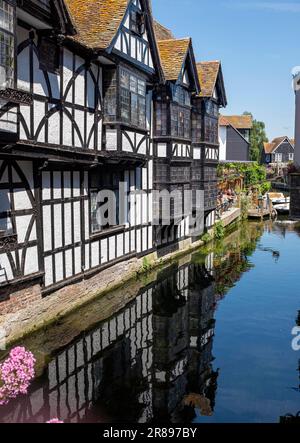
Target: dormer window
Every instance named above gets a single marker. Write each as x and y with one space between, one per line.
137 22
7 44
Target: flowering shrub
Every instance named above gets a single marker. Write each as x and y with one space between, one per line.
55 420
16 373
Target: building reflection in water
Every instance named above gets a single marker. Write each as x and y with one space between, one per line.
151 362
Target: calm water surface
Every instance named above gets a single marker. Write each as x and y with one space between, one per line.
208 340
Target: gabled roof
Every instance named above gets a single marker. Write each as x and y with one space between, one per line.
208 74
237 121
97 21
268 148
161 32
211 77
271 147
174 54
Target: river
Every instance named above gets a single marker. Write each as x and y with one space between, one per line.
207 339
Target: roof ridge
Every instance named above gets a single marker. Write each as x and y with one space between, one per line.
184 39
208 61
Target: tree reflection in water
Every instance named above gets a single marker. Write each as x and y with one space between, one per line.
153 360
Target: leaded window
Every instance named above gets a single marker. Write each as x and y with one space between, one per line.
137 22
6 226
7 45
132 99
180 121
128 94
110 92
211 129
181 96
161 118
104 209
212 108
196 127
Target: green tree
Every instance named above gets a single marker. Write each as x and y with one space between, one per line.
257 139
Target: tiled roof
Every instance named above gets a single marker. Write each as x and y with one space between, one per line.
278 140
208 74
162 33
237 121
172 54
270 147
96 21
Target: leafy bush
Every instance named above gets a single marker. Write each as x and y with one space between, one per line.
244 206
206 238
254 175
219 231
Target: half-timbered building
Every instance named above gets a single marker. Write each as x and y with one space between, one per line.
76 82
94 94
205 139
172 132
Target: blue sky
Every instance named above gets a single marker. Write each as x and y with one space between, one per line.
258 44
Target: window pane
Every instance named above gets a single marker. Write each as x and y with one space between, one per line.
133 21
104 180
6 16
124 79
196 127
6 60
133 99
133 84
187 123
142 111
134 109
141 87
5 208
125 104
174 120
181 123
110 95
94 206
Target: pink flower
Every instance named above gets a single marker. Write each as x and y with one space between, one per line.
16 374
54 420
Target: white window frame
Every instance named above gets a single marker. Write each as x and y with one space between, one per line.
291 156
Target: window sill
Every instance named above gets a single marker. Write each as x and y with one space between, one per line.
126 125
107 232
176 139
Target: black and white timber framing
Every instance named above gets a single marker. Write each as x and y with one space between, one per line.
69 116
